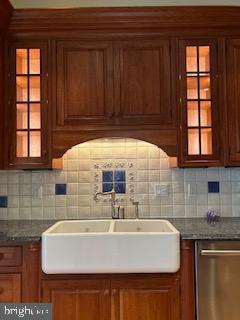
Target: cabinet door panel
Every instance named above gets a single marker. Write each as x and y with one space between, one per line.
84 82
73 300
146 299
233 102
142 75
10 288
199 104
28 142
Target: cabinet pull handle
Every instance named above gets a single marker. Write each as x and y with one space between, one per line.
106 292
45 152
220 253
114 292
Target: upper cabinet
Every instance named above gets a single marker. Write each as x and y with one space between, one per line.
155 74
84 78
28 143
198 102
104 84
5 15
233 101
143 82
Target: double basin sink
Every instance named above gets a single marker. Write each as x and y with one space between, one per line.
111 246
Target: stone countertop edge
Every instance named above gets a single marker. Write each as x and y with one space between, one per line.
189 228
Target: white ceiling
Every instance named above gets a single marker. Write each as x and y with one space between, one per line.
115 3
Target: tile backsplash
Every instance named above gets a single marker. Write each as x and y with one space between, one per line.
137 170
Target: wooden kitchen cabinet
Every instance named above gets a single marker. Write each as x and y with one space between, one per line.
84 71
6 10
142 81
154 74
10 288
154 298
199 103
28 113
112 83
78 299
1 103
113 297
19 272
233 101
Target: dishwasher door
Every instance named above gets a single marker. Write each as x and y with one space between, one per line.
218 280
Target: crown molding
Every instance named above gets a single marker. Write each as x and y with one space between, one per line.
130 18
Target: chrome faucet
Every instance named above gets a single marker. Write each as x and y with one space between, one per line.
115 208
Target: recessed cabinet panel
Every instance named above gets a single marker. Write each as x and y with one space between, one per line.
10 288
76 299
150 299
233 101
84 82
143 76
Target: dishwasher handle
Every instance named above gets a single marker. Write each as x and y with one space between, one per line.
229 253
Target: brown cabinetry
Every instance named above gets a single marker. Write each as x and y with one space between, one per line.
198 102
19 273
28 141
10 288
104 83
78 299
119 73
143 82
233 101
84 83
152 297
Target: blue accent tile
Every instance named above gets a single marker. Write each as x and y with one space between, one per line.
107 176
106 187
119 176
3 201
60 189
120 187
213 187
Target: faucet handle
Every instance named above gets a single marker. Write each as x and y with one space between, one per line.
121 212
115 211
136 204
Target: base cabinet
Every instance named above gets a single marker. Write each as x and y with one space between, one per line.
10 288
127 298
78 299
152 299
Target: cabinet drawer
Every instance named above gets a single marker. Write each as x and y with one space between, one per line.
10 288
10 256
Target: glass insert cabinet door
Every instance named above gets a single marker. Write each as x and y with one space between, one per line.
198 100
30 105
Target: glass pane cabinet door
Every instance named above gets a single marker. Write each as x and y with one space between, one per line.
29 105
198 100
28 102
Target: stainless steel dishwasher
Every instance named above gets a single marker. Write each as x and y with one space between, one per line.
218 280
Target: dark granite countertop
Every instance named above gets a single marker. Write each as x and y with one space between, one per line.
190 228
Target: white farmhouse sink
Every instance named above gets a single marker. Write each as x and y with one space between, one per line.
111 246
